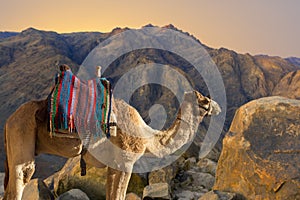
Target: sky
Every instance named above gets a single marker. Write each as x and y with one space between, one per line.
246 26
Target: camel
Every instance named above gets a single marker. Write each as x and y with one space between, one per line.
26 136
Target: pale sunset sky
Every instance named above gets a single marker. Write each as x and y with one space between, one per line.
245 26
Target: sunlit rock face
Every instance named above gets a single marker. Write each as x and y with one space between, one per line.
260 157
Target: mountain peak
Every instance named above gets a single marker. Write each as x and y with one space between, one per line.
148 25
31 31
170 26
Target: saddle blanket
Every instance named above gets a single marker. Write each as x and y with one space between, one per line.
78 106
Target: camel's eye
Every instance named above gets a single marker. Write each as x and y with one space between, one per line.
205 101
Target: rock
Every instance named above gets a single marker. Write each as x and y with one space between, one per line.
157 190
137 184
207 166
202 179
36 189
218 195
132 196
209 196
185 195
159 183
93 184
289 86
260 156
74 194
164 175
189 163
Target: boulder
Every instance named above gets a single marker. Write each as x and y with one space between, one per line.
289 86
36 189
207 166
201 180
93 184
185 195
218 195
157 190
74 194
164 175
260 157
132 196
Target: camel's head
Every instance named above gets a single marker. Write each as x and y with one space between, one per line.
207 104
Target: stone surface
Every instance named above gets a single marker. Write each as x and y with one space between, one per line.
74 194
209 196
164 175
207 166
218 195
193 178
289 86
93 184
200 179
185 195
260 157
157 190
132 196
36 189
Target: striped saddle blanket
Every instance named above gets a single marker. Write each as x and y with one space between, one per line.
78 106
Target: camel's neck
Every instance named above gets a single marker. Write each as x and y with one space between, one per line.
182 130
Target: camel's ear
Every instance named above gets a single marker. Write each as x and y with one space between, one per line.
199 96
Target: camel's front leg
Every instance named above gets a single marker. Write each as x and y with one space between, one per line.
20 175
116 184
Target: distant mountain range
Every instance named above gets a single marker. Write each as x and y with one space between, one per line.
294 60
8 34
29 60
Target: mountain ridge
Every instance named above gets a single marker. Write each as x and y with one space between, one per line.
6 34
29 60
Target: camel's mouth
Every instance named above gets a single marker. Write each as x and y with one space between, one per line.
211 107
215 108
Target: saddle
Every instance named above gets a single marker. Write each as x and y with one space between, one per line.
76 106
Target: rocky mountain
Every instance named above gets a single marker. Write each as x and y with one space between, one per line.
294 60
289 86
7 34
29 60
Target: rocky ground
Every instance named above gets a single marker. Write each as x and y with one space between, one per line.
259 160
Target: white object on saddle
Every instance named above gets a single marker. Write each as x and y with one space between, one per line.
98 71
113 129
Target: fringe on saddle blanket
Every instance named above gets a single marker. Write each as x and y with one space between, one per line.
78 106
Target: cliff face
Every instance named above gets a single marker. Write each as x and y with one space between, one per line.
289 86
260 155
